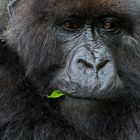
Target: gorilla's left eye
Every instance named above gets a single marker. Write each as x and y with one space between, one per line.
108 25
72 25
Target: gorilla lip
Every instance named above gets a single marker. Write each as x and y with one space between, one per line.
56 94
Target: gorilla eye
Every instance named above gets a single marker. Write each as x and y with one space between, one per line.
108 25
72 25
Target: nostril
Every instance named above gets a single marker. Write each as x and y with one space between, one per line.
85 63
102 64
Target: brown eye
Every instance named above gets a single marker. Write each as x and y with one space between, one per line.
72 25
108 26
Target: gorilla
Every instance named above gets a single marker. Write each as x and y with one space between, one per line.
87 49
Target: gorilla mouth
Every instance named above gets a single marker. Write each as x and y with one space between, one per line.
57 94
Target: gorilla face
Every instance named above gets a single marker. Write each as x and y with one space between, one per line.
87 49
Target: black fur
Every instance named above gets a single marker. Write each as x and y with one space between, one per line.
33 63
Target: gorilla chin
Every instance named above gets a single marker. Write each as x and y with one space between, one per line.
91 116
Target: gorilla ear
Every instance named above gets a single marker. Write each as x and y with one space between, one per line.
10 8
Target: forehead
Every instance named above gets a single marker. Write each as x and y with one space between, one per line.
86 3
57 8
93 6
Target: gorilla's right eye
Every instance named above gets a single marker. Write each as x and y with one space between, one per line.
72 25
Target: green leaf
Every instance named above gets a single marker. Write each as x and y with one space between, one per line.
56 94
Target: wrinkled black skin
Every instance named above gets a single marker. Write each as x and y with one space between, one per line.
40 55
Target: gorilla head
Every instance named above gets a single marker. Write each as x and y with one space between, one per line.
88 49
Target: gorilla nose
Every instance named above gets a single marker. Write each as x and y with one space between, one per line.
91 71
90 66
84 62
